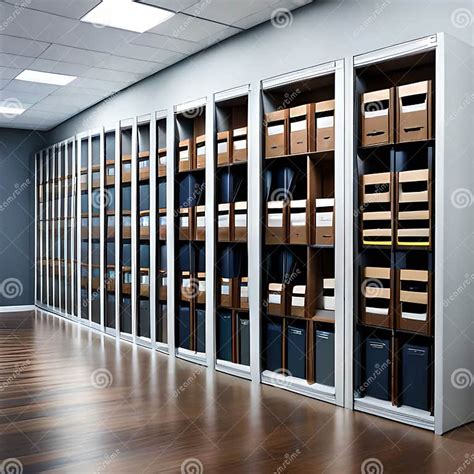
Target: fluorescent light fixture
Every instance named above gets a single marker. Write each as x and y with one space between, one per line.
44 77
11 110
127 15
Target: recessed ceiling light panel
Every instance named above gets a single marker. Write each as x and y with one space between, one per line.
10 110
44 77
127 15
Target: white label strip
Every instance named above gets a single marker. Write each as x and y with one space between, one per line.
275 220
325 122
276 129
298 125
324 219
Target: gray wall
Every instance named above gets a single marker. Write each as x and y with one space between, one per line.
323 31
17 214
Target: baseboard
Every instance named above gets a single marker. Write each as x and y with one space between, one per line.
17 308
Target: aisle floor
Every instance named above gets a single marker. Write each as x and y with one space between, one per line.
72 400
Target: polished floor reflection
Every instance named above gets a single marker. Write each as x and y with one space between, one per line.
75 401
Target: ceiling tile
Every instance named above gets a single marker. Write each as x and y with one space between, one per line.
173 5
119 76
78 100
147 53
14 61
58 67
4 82
31 87
167 43
34 24
24 47
119 63
58 52
9 72
95 38
188 28
97 84
22 96
68 8
59 108
228 12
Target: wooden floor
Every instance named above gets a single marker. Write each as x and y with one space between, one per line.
75 401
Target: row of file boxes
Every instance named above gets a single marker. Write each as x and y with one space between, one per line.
400 298
286 345
232 146
297 300
403 114
405 195
192 223
233 337
192 153
143 226
302 129
232 222
234 292
414 384
193 286
291 222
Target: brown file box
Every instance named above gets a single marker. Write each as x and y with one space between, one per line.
200 227
376 188
414 208
144 224
298 301
414 301
162 161
276 133
377 114
302 129
126 280
226 291
223 222
84 273
325 125
162 224
200 152
185 223
145 282
126 226
242 293
223 148
377 228
144 166
414 112
84 182
276 228
84 227
110 279
276 299
240 221
110 174
329 298
324 221
299 219
239 145
95 227
185 155
188 286
126 169
162 285
377 296
201 288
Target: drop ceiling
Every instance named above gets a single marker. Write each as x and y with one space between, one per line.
48 36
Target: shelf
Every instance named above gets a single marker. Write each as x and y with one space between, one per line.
232 368
320 155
